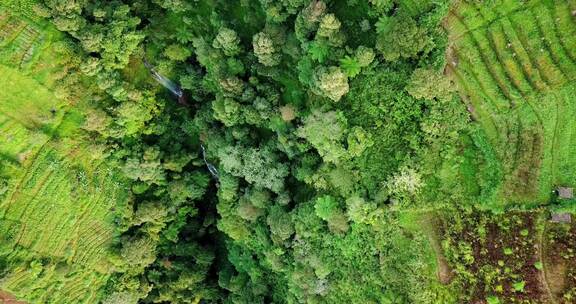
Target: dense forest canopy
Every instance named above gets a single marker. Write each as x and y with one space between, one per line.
301 151
317 116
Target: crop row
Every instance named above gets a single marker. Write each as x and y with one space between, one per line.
517 55
62 214
52 284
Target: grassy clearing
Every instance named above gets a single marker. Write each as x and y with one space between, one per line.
35 102
514 63
57 192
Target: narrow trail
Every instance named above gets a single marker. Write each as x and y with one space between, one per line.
554 140
541 254
430 224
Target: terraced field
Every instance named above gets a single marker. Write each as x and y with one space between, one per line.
56 192
514 64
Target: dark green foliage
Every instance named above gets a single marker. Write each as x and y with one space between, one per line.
327 209
325 130
280 223
312 149
257 166
429 84
402 37
274 183
138 253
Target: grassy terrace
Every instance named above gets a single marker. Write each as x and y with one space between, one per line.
57 192
514 64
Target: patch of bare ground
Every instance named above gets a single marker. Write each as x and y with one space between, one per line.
6 298
431 225
540 248
558 258
556 275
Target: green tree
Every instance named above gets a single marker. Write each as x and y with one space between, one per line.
325 130
177 52
228 41
150 212
329 26
188 187
138 252
132 117
406 181
403 38
350 66
318 50
71 23
123 297
325 207
329 29
91 40
358 210
91 66
248 211
177 6
97 121
280 223
358 141
328 209
231 86
308 19
364 56
429 84
228 111
382 6
149 171
183 35
330 82
258 166
265 50
235 227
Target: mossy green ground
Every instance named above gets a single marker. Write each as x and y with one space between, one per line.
57 190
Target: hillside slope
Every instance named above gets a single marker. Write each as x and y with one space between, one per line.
56 191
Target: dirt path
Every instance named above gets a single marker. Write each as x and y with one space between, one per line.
430 226
557 270
552 287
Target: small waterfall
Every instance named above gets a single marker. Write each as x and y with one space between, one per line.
167 83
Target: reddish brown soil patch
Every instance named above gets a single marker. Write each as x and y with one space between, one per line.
6 298
560 261
493 254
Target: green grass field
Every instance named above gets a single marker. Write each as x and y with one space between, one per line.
514 64
57 191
